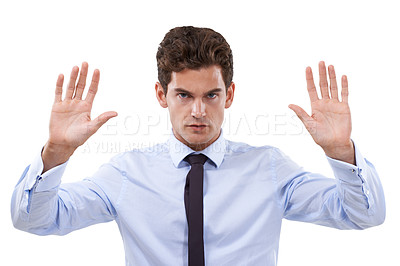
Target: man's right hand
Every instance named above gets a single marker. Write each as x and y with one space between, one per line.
70 121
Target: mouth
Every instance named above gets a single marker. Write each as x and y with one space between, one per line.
197 126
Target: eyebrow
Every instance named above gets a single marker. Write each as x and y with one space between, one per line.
180 90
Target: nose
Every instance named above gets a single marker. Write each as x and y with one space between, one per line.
198 109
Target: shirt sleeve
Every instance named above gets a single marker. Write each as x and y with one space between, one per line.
41 205
354 199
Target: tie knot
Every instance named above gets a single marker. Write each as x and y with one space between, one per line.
196 159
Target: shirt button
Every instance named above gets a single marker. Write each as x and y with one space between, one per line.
352 170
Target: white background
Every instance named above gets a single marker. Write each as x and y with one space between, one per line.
272 43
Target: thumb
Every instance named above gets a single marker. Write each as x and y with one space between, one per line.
301 114
101 120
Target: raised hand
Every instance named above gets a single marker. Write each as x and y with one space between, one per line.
70 121
330 120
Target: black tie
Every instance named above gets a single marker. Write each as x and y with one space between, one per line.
194 208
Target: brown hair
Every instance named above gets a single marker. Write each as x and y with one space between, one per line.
193 48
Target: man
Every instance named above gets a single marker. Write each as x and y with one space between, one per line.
198 199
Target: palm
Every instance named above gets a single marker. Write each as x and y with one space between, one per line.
330 121
70 121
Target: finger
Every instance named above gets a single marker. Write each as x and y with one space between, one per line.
93 86
82 81
345 89
303 116
332 82
59 85
312 92
323 82
100 120
71 84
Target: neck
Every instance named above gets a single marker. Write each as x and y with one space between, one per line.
196 146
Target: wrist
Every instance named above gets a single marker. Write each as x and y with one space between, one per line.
55 154
345 153
60 149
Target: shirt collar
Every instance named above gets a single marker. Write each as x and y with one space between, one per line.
215 152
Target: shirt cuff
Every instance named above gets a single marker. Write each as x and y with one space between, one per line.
347 172
46 181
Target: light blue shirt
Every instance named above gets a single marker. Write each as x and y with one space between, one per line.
247 192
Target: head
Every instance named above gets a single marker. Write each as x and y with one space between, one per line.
195 70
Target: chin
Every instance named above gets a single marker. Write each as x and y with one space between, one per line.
196 140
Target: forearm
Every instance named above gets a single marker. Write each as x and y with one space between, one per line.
355 200
41 205
361 192
33 204
36 214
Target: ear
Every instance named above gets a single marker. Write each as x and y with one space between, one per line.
229 95
161 97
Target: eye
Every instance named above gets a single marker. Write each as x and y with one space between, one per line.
183 95
211 95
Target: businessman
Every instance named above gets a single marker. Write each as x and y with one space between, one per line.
198 199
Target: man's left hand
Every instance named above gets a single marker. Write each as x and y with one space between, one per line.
330 121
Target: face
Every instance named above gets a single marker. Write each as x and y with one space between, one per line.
196 100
